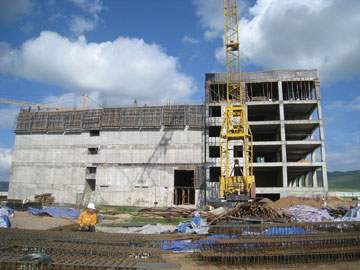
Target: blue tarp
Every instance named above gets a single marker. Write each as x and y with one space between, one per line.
56 212
185 245
280 231
193 225
5 212
285 231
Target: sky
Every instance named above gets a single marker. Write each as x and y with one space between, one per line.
158 51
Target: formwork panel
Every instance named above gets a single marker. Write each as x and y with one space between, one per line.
111 118
73 121
91 119
174 115
55 121
23 122
151 117
196 115
130 117
39 121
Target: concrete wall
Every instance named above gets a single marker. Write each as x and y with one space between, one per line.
133 167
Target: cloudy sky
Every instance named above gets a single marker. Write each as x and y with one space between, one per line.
158 51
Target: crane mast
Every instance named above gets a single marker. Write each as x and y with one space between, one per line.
235 183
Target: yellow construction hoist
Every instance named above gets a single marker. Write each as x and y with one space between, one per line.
237 182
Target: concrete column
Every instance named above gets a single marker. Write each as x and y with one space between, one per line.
322 139
307 183
282 134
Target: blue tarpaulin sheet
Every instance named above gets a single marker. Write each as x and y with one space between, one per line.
185 245
56 212
285 231
279 231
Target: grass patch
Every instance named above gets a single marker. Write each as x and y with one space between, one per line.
172 221
125 209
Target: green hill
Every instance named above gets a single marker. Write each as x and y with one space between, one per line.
344 181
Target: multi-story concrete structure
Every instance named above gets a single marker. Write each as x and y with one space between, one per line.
285 117
117 156
169 155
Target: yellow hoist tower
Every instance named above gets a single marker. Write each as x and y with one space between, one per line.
237 181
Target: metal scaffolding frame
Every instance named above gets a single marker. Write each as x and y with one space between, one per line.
111 118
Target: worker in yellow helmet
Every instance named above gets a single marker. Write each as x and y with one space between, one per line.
87 219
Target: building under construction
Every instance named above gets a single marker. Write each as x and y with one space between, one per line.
169 155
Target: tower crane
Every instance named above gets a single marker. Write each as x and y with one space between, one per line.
237 182
40 105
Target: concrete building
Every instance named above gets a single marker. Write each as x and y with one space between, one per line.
169 155
285 117
116 156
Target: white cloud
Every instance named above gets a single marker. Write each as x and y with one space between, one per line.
349 106
190 40
10 10
90 6
124 69
211 14
5 159
79 24
324 34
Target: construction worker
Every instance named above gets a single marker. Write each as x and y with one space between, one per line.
87 219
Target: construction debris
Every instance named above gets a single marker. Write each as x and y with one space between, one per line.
45 199
247 210
170 212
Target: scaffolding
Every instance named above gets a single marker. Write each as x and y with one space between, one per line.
111 118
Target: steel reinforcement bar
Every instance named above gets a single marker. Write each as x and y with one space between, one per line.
285 228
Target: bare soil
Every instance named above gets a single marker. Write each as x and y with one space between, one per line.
23 220
316 202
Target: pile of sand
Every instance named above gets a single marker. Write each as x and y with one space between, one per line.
285 203
316 202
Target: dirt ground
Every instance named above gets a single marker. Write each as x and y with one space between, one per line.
24 221
317 202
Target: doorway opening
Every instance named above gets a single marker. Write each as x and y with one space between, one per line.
184 191
90 185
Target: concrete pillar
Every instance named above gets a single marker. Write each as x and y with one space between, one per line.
282 135
307 183
322 139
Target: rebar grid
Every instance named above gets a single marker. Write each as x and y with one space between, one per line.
80 250
285 228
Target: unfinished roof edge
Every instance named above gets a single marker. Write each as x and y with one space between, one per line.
269 75
111 118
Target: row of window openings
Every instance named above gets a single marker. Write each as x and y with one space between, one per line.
215 111
292 90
